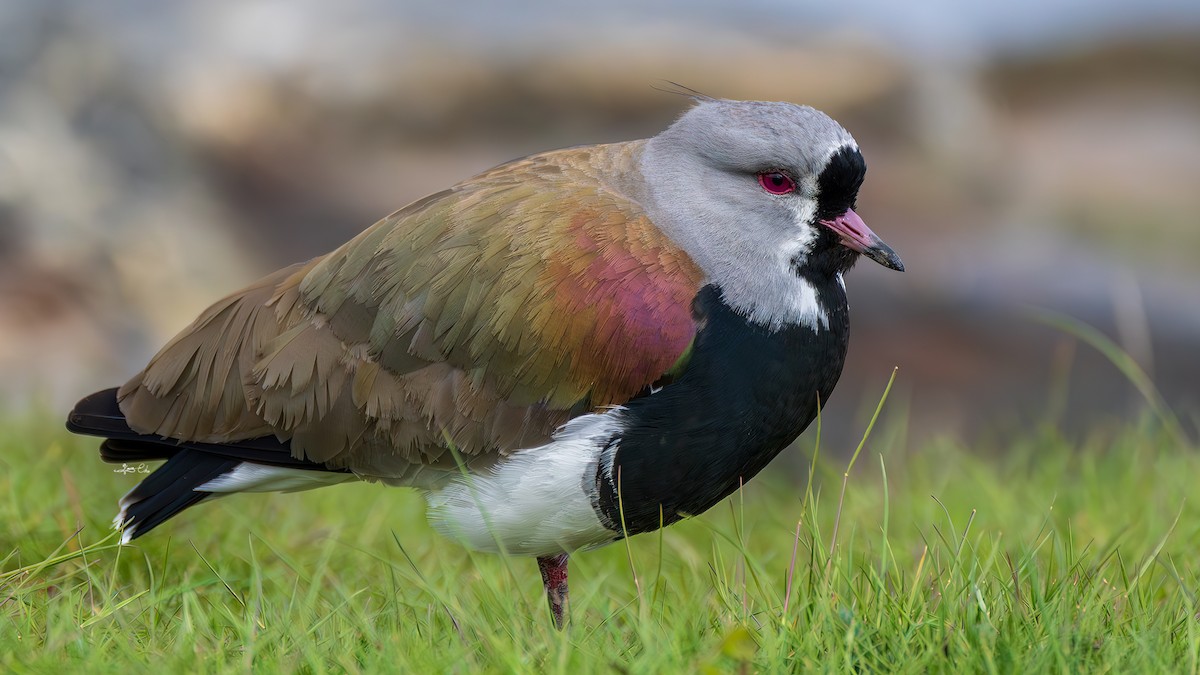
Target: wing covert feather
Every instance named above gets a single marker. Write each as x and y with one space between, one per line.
488 314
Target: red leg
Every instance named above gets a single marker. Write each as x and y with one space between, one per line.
554 578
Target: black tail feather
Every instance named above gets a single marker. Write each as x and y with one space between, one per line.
172 487
100 415
169 490
120 451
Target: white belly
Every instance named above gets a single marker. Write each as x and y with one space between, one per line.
534 502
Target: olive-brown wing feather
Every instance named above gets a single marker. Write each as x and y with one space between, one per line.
483 316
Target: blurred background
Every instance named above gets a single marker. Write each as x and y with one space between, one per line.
1030 153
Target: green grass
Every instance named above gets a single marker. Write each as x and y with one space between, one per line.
1043 555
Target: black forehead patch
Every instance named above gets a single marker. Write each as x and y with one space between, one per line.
839 182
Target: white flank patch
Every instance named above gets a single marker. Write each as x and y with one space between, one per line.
249 477
535 502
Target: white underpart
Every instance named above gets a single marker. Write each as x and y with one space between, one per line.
249 477
536 501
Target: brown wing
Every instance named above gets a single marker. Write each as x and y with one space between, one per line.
485 315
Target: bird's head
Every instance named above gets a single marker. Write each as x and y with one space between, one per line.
753 190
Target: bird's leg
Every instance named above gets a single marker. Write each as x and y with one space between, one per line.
554 578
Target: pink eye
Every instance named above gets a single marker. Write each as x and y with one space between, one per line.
776 183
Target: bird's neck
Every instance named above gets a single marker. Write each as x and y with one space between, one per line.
748 391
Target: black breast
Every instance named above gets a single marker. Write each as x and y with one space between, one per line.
746 394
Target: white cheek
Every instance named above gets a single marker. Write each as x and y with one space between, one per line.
804 209
800 243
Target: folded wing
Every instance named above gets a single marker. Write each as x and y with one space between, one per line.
483 316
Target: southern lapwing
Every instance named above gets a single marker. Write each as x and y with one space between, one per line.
560 352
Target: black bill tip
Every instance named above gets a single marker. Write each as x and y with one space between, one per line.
884 255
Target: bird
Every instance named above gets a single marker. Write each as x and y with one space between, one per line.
560 352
